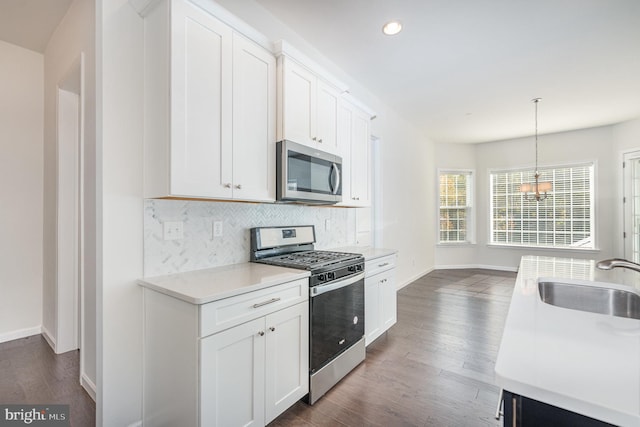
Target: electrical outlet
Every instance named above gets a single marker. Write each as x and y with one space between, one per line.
217 229
173 230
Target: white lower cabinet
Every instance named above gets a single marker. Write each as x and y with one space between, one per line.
380 297
253 372
238 361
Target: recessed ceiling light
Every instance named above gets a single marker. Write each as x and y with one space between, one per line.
392 28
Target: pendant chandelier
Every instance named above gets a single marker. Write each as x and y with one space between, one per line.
537 190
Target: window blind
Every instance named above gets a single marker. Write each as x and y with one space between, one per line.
564 219
455 206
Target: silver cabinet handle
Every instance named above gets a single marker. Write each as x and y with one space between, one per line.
384 264
239 186
272 328
261 333
499 412
314 138
320 140
271 301
227 185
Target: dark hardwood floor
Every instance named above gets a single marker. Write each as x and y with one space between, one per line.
433 368
31 373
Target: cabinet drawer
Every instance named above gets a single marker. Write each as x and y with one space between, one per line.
226 313
378 265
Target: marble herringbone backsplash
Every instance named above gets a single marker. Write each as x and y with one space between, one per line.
199 249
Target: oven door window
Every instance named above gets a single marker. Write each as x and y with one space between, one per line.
337 322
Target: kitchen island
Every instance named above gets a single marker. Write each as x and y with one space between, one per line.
582 362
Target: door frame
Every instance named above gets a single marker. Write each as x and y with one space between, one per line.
627 203
69 257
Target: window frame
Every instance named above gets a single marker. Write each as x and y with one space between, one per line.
470 206
593 207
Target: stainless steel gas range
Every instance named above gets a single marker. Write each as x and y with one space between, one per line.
336 295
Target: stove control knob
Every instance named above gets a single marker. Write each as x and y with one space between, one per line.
331 276
359 267
321 277
351 268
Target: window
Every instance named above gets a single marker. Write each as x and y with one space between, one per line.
563 220
455 207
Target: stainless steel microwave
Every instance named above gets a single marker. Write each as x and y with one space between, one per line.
307 175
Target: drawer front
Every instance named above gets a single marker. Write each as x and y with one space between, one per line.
378 265
226 313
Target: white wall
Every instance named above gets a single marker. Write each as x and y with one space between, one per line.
406 156
21 127
74 35
120 134
594 144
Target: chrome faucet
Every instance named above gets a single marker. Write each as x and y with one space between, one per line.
609 264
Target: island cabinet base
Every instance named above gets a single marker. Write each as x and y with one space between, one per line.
521 411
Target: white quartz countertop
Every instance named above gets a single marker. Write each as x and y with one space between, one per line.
204 286
367 252
584 362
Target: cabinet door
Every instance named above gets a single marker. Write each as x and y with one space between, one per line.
360 159
201 49
372 318
298 103
232 376
327 117
254 135
287 358
345 114
388 299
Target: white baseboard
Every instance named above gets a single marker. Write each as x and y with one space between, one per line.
482 266
414 278
89 386
49 338
20 333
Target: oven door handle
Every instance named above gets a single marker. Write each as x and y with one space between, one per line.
321 289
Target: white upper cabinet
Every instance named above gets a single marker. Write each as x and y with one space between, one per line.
254 121
354 145
308 107
327 116
200 109
210 108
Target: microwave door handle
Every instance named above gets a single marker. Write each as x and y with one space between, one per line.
335 178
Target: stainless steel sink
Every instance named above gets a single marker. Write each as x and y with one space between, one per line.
594 299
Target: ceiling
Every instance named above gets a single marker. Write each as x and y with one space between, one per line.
461 71
466 70
30 23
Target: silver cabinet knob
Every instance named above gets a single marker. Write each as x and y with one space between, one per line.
320 140
272 328
227 185
261 333
239 186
